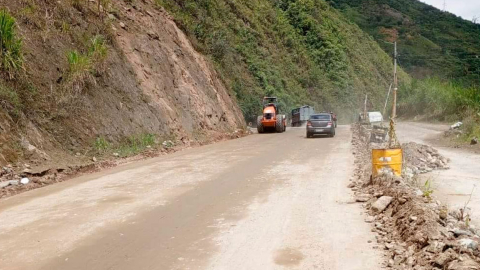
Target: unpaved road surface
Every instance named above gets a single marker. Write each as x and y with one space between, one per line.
454 186
269 201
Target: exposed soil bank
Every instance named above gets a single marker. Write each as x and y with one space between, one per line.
151 81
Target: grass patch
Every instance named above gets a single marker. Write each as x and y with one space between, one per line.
101 145
81 65
10 45
136 144
129 146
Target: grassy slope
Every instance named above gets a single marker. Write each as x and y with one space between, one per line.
304 52
431 42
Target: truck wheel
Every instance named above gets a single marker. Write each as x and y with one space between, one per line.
259 124
309 135
279 124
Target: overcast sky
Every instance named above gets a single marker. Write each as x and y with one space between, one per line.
466 9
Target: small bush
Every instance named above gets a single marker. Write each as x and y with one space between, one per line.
98 49
10 46
79 65
101 144
136 144
427 189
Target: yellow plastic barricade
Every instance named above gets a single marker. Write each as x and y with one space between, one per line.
387 159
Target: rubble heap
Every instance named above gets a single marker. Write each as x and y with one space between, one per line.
415 231
420 158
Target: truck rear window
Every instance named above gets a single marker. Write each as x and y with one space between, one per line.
325 117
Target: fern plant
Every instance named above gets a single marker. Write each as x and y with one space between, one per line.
10 46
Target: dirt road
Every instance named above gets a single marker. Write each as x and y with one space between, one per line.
454 186
270 201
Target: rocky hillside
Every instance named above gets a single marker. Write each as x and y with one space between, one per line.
119 75
431 42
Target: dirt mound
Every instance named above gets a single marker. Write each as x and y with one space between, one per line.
415 231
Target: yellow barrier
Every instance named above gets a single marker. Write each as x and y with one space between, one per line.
390 159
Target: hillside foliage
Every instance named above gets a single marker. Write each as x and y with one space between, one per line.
302 51
11 57
430 42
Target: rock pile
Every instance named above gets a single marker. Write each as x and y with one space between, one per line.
413 230
420 158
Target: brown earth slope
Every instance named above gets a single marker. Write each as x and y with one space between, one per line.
152 81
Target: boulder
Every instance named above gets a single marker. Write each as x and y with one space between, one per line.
468 243
474 141
465 264
445 257
362 198
457 125
381 204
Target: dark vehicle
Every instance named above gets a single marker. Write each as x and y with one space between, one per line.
321 123
301 115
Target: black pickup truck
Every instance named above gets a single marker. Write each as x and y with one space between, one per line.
321 123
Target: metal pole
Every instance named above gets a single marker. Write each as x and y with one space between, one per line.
395 85
386 101
365 107
393 142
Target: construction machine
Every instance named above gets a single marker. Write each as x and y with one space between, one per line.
271 119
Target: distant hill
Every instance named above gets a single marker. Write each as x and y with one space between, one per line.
431 42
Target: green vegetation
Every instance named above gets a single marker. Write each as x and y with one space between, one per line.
302 51
81 65
437 99
135 144
431 45
127 147
444 101
101 144
10 45
431 42
10 101
427 189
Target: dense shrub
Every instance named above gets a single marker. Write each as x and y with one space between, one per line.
10 45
